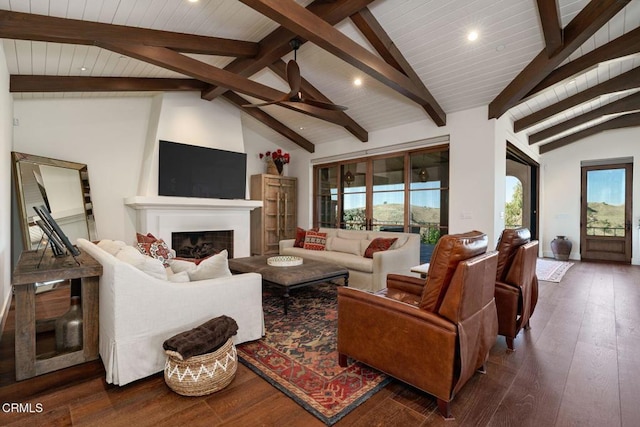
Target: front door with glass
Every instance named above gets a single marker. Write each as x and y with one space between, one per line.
605 233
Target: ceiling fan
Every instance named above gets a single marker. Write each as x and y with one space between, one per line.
295 95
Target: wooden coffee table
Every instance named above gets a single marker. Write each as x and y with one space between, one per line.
311 272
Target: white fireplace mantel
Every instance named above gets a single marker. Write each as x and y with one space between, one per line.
169 202
163 215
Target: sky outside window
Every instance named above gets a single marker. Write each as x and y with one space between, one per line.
607 186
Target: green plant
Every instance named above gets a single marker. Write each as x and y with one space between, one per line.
513 208
354 218
430 236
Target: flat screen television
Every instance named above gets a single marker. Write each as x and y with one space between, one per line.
192 171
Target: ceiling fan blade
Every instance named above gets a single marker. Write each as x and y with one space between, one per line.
293 78
321 113
325 105
264 104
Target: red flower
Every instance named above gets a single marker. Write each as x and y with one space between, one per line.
278 156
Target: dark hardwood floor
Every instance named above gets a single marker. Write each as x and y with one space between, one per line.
577 365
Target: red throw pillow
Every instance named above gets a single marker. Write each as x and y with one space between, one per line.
315 241
149 238
379 244
301 233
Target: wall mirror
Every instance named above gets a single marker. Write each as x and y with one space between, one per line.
61 186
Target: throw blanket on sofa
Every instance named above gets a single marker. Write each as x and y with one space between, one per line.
202 339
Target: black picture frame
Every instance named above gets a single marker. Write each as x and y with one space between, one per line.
44 214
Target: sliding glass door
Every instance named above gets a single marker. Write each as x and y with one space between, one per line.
401 192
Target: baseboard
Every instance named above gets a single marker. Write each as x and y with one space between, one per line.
572 256
5 313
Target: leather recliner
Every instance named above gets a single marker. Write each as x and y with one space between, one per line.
432 334
516 282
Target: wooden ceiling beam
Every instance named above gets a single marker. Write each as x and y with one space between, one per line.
276 44
304 23
23 83
179 63
627 44
628 120
625 81
18 83
310 91
26 26
623 105
378 37
550 19
268 120
593 16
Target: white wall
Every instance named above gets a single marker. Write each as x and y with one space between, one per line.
255 144
477 166
118 140
106 134
561 195
6 129
477 174
185 118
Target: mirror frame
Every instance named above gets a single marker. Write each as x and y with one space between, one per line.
83 176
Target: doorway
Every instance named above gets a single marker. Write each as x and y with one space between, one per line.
605 213
521 198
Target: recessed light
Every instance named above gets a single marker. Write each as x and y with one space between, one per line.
83 68
193 1
357 82
301 127
499 48
472 36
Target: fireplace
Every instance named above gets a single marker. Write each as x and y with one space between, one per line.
162 216
201 244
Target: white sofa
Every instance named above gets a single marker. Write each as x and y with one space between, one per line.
139 312
369 274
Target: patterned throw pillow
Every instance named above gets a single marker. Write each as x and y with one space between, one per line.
153 247
377 245
315 241
301 233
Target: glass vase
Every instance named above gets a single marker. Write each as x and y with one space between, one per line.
69 328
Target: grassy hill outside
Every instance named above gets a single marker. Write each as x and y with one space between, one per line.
393 213
604 219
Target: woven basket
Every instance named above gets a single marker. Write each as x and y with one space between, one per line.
203 374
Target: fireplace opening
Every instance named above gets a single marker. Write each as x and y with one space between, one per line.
201 244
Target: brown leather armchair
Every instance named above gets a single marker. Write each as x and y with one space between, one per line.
516 282
433 335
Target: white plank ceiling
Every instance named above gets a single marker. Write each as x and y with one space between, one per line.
430 33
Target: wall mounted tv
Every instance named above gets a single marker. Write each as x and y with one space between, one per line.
192 171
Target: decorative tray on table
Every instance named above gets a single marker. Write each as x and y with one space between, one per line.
284 261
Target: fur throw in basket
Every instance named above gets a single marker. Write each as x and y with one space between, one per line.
202 339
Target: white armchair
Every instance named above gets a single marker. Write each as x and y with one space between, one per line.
139 312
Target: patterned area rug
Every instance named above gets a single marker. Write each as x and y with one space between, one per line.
550 270
298 355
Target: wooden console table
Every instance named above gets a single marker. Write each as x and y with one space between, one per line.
26 274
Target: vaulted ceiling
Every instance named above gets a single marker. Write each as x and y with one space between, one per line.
562 69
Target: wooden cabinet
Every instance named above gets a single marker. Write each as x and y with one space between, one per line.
277 219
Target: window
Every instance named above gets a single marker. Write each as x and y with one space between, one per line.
401 192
